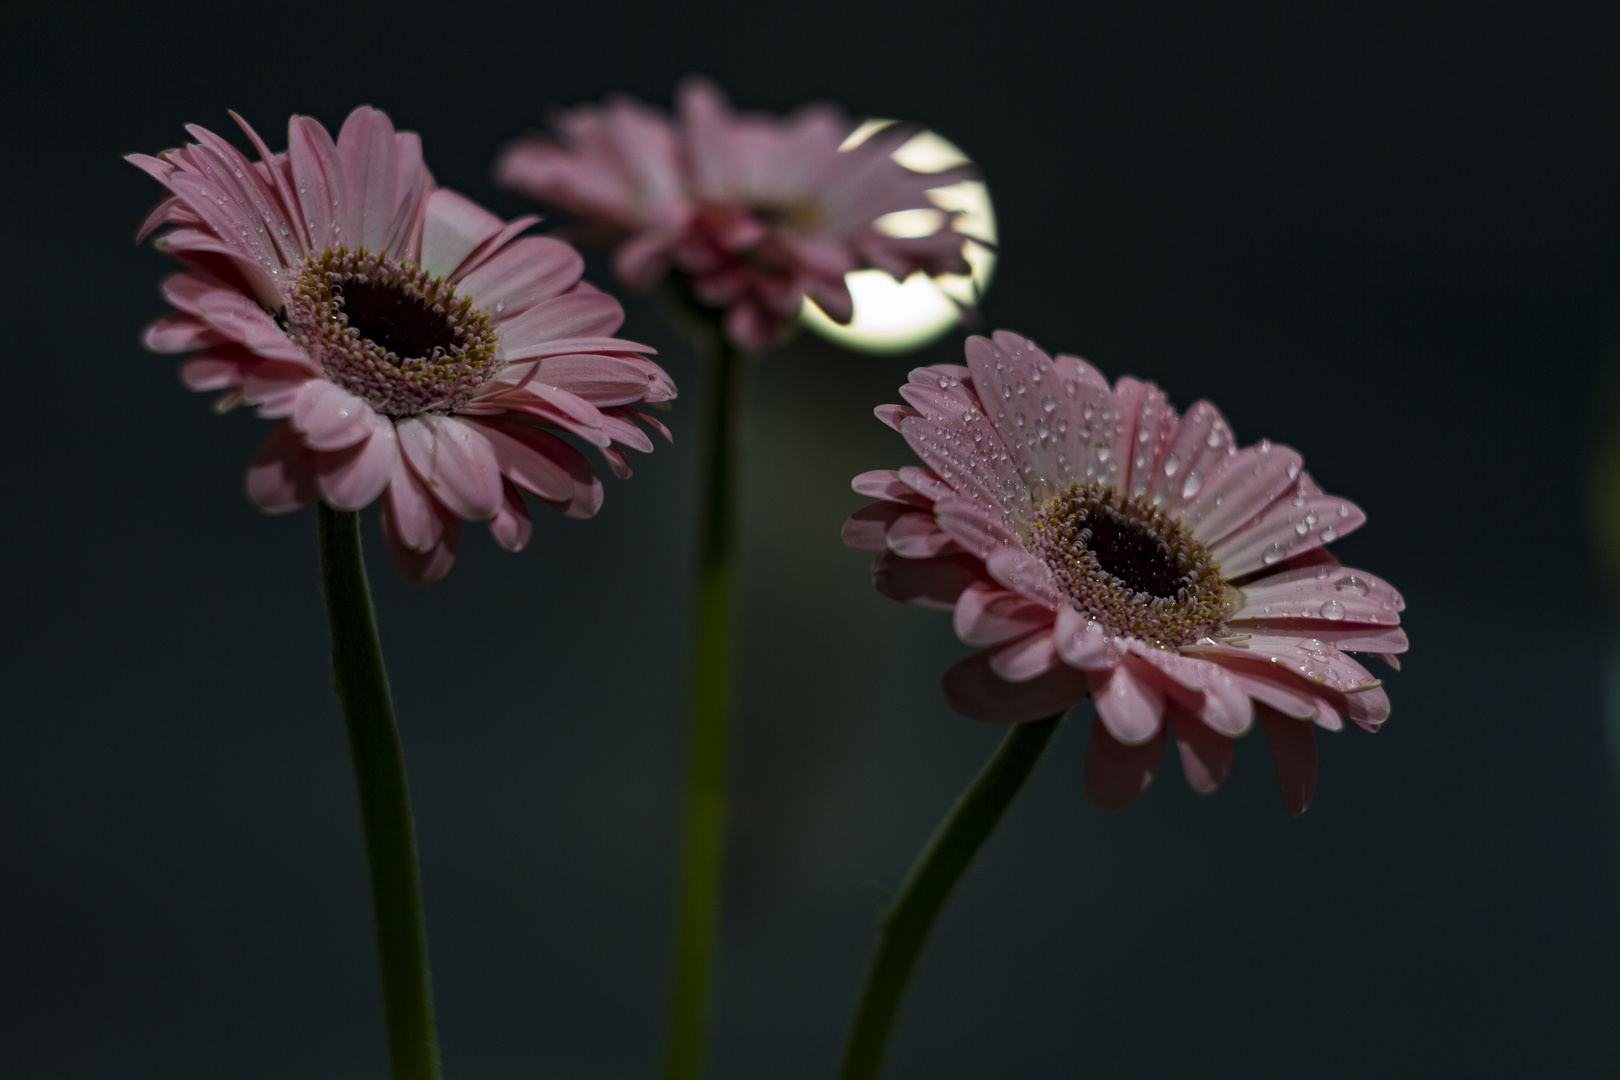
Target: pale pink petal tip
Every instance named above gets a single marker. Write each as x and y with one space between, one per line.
298 267
1092 540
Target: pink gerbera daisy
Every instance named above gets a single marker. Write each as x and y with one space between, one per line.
756 211
1095 541
410 342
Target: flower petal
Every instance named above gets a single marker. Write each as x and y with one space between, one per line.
1116 773
281 478
1025 659
511 527
1206 755
352 478
455 461
453 227
987 614
1293 749
1129 700
330 417
975 691
935 584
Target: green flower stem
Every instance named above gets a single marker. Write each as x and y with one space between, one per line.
944 859
385 802
698 919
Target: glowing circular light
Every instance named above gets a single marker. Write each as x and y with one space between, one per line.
894 316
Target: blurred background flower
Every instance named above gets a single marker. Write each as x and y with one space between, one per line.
762 216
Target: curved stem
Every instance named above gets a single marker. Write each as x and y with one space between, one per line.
943 860
704 830
385 804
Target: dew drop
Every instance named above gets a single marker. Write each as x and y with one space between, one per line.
1301 528
1353 584
1312 645
1271 554
1020 419
1332 611
1048 403
1329 534
1172 465
1021 388
1344 511
1190 486
500 306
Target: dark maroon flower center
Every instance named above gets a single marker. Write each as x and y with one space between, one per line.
402 324
1129 566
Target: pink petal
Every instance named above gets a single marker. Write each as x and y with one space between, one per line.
1289 528
511 527
423 567
1146 422
453 227
973 690
1293 748
455 461
410 514
1206 689
1339 594
1200 443
886 484
975 527
218 368
281 476
274 387
987 614
867 529
330 417
352 478
177 332
1116 773
366 147
603 381
322 190
893 415
1025 659
934 584
240 319
915 535
1084 644
521 275
1129 700
1206 755
1340 635
1247 483
571 315
527 457
1023 574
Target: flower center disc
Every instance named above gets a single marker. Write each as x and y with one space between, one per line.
1128 565
390 332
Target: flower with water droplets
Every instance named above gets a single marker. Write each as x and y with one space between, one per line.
413 345
756 211
1139 556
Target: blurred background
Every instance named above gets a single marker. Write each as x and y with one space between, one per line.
1383 233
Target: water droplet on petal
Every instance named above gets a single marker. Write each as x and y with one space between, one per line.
1048 403
1190 486
1353 584
1333 611
1271 554
1172 465
1329 534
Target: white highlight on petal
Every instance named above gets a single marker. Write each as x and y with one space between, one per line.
893 316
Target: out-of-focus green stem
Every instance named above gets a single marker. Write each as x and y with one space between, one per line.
385 801
949 851
698 919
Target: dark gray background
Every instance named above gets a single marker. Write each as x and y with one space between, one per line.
1380 232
